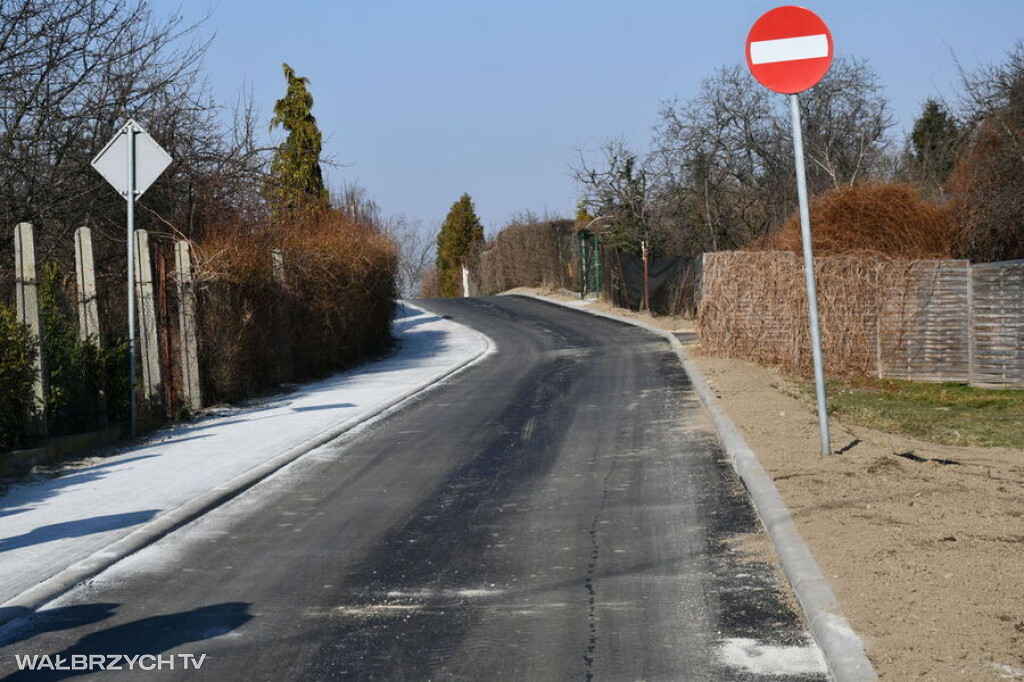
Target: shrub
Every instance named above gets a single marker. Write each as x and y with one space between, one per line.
890 220
535 254
76 373
17 375
332 308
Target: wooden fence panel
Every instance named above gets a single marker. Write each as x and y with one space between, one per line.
997 324
924 325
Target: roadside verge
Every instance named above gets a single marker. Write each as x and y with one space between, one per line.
843 651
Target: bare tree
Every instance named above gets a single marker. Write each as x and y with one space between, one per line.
846 121
620 189
71 71
415 252
355 203
415 244
987 183
723 162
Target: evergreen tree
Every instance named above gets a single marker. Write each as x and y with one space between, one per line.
459 234
933 144
297 180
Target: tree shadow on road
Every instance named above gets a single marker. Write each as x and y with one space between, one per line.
75 529
149 636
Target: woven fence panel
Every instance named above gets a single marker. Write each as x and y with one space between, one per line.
925 323
997 324
754 305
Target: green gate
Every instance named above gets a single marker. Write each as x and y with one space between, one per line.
590 264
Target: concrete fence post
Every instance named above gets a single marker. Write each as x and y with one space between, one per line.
192 397
85 276
149 348
277 258
27 296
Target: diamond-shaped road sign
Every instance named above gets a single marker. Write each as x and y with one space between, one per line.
150 159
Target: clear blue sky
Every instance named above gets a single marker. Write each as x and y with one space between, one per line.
426 100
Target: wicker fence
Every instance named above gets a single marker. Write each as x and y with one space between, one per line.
918 320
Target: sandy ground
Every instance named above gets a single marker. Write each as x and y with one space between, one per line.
927 559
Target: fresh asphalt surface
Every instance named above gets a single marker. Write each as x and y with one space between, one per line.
559 511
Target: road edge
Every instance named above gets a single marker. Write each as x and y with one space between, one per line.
842 648
28 601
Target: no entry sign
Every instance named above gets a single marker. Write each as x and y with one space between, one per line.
789 49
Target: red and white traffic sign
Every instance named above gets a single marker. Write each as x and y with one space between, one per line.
789 49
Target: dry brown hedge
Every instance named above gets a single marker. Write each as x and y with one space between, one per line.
332 309
888 219
542 254
754 306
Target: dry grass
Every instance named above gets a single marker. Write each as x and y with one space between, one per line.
331 308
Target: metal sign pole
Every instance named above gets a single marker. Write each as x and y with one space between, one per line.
812 293
131 176
130 196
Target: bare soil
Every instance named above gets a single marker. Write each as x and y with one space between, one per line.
922 543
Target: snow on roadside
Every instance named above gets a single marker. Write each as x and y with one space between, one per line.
50 524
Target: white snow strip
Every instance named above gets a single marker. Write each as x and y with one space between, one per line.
48 525
756 658
1006 672
789 49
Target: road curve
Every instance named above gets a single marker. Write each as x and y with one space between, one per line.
559 511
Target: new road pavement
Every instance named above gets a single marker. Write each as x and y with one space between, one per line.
559 511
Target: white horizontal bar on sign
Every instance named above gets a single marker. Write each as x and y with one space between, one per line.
789 49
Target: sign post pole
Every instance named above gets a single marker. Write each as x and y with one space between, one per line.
812 290
789 49
130 162
130 196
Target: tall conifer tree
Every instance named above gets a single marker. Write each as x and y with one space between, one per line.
459 234
297 180
934 144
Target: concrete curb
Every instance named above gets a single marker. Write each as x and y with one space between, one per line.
840 645
51 588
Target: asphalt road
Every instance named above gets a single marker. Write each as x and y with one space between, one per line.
559 511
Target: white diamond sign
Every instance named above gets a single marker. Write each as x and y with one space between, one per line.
150 159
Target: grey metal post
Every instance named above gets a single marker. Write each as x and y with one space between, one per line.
130 196
812 293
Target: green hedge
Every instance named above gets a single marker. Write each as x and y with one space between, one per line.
17 375
85 384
